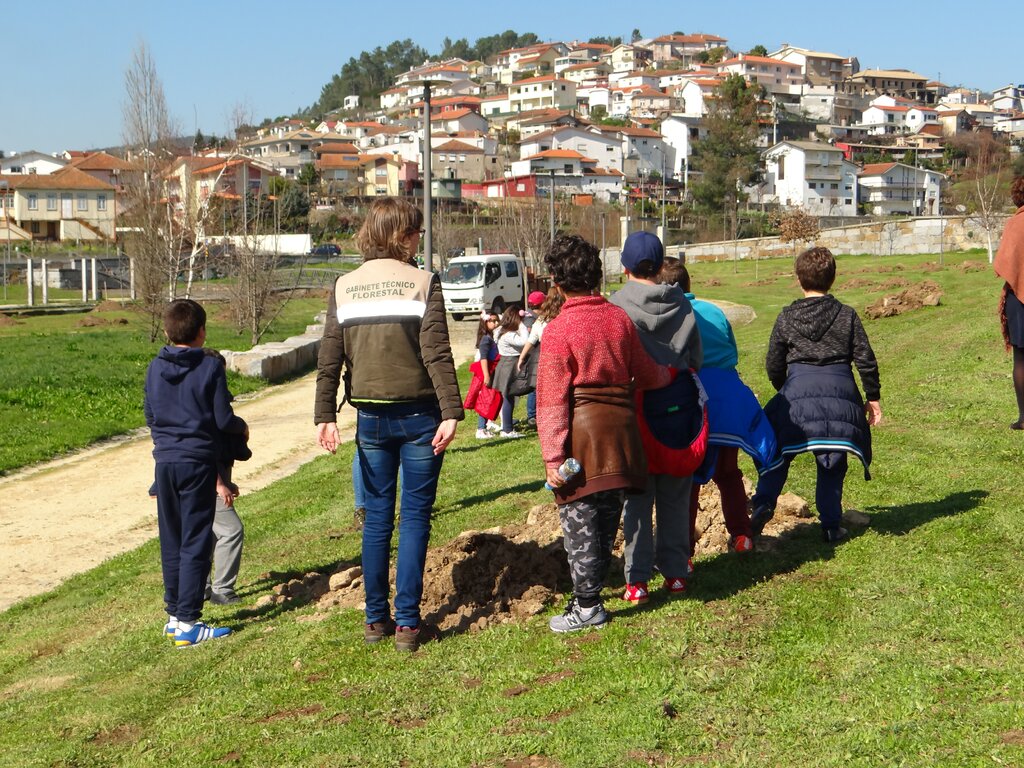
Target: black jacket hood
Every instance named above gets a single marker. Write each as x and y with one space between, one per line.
813 316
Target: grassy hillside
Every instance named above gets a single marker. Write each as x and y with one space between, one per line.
900 647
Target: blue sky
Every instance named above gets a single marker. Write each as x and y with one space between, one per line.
66 60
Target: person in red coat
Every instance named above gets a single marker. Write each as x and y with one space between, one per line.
590 362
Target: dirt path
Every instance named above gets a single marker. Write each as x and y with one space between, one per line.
67 516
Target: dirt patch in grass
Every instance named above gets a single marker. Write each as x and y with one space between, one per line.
857 282
759 283
230 757
291 714
109 306
43 684
555 677
713 537
95 322
478 579
972 266
1015 737
119 734
894 282
6 321
711 282
518 690
923 294
534 761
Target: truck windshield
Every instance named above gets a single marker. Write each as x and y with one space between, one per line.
463 273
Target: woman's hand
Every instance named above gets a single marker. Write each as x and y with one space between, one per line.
327 436
873 410
444 435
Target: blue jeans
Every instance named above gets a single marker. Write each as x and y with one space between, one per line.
531 405
828 493
507 406
358 489
389 436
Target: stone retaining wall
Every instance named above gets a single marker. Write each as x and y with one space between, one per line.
278 360
881 238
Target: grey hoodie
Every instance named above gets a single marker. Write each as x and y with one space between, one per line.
665 321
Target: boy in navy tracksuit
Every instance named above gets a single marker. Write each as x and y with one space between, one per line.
187 407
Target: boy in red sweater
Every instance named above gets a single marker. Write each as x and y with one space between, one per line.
590 362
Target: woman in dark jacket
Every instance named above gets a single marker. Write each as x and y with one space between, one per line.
386 326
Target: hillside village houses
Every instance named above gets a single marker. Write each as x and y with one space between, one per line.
594 119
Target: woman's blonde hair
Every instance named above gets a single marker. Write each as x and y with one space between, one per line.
388 223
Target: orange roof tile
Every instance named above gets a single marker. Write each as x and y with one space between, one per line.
68 177
457 146
561 154
101 161
875 169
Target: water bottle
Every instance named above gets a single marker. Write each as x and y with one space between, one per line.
569 468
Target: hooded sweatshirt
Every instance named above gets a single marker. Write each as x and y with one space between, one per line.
665 321
188 406
819 330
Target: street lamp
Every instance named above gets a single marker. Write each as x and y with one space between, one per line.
5 186
428 199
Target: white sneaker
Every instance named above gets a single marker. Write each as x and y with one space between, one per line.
511 434
483 434
494 426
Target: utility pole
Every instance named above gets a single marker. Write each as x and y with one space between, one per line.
428 201
551 204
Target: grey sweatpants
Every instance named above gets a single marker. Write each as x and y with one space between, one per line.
589 526
666 499
227 548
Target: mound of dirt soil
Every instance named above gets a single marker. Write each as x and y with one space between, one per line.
972 266
109 306
924 294
509 574
93 322
857 282
6 321
791 512
480 578
894 282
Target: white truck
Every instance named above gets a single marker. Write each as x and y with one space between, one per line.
490 281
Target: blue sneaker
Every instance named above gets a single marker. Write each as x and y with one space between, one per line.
170 627
199 633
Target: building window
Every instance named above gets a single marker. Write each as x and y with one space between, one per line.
101 202
782 167
833 186
51 201
811 185
83 202
33 202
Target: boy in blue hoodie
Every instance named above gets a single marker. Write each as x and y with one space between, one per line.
188 411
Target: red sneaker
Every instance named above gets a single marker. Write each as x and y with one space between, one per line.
741 544
636 593
675 585
689 568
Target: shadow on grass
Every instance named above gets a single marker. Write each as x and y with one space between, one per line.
901 519
728 574
484 498
298 588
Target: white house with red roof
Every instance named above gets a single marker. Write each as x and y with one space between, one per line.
627 58
546 92
604 147
888 189
533 60
684 48
570 171
818 67
774 75
810 175
881 119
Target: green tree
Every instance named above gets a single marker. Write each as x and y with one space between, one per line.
308 175
635 36
727 156
612 41
758 50
294 209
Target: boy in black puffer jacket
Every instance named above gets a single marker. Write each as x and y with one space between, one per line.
818 407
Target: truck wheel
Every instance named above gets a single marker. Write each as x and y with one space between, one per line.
498 306
457 315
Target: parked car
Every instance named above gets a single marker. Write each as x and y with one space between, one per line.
326 249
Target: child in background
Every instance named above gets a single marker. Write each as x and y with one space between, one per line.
486 355
511 336
735 418
590 362
533 306
228 532
546 310
818 407
188 408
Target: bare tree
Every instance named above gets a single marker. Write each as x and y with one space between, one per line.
148 134
986 194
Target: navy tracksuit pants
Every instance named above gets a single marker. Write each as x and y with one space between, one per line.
186 497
